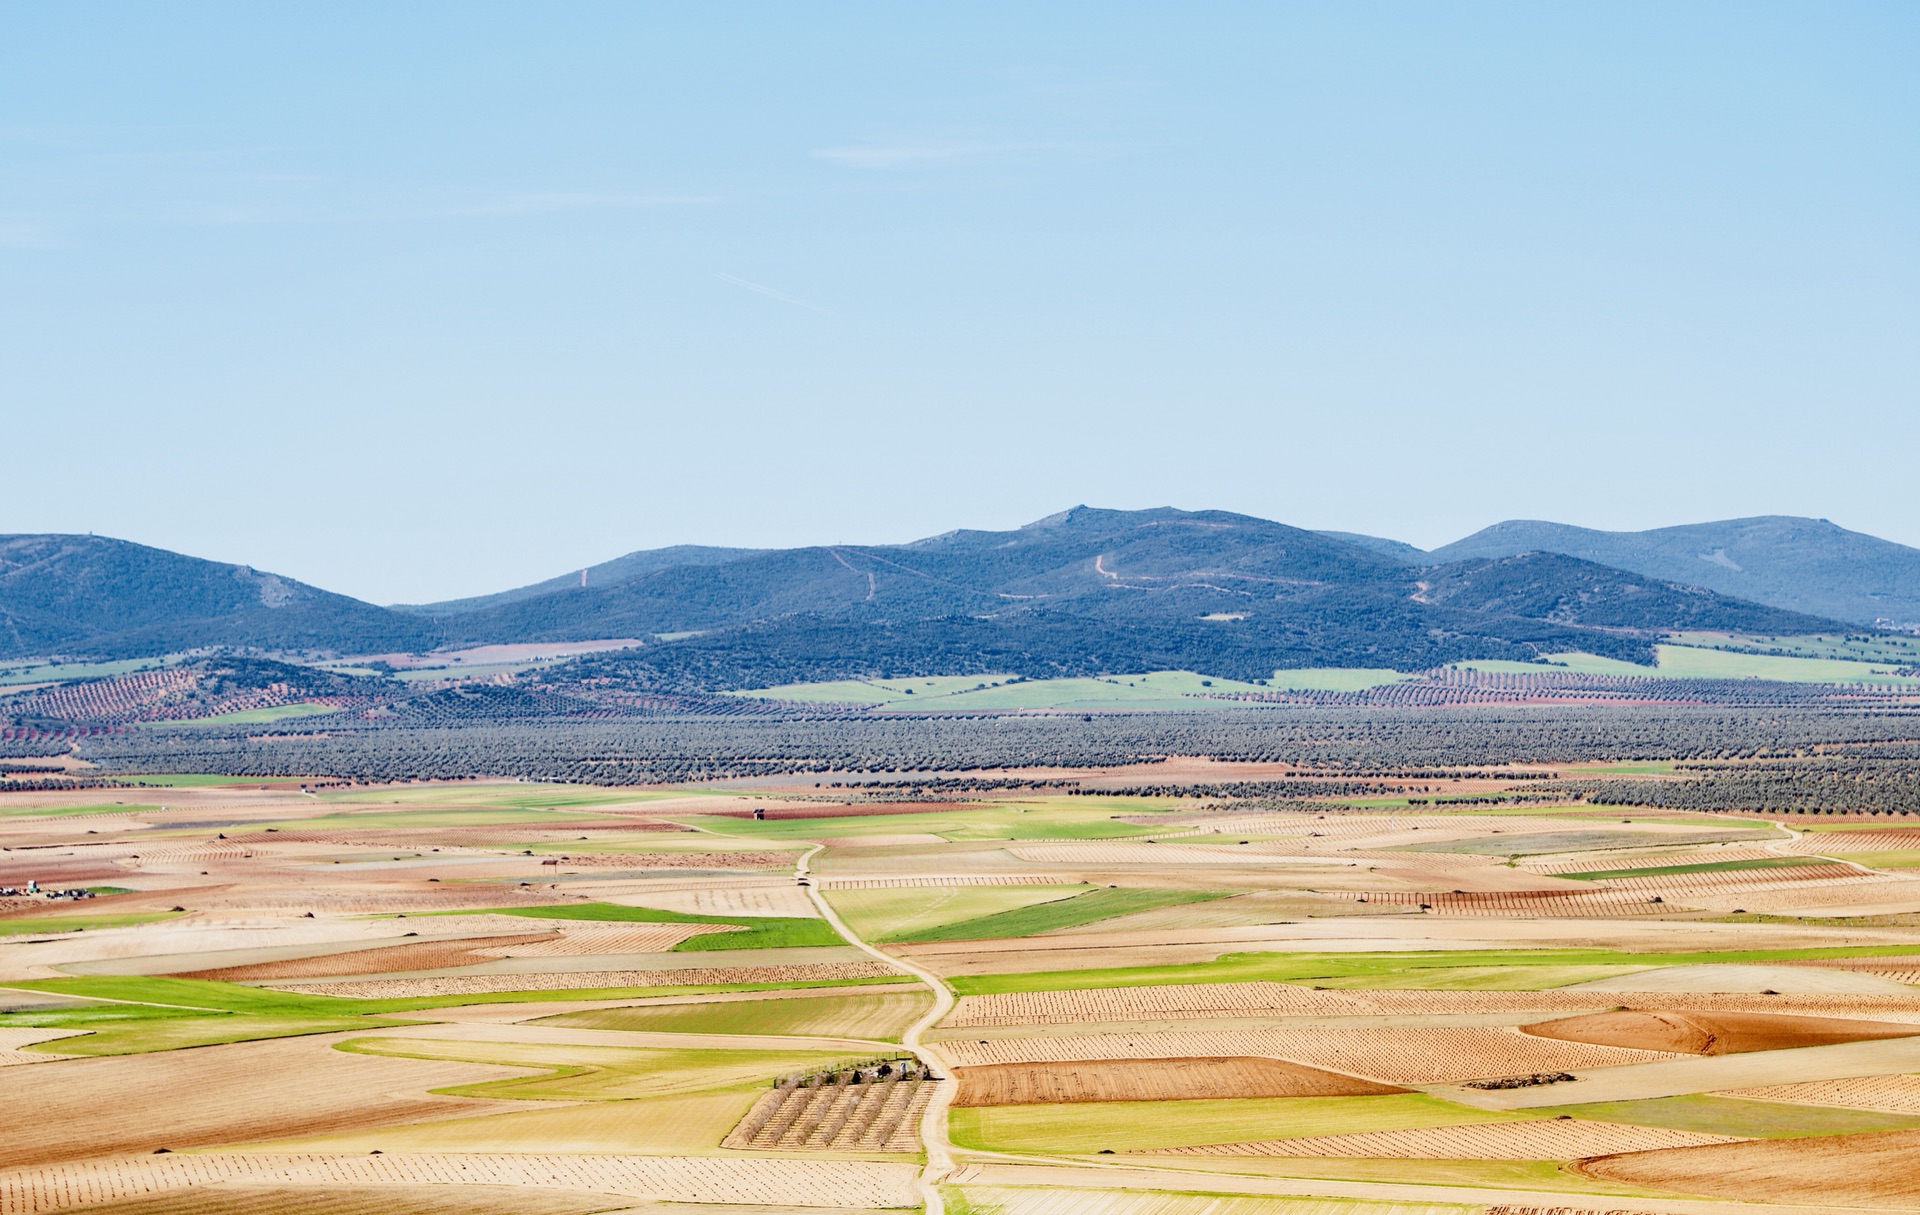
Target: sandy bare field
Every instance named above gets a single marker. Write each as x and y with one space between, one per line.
1547 1139
1152 1080
224 1094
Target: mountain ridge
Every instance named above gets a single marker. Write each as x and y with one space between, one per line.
1083 591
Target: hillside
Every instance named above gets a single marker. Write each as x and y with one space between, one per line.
1089 591
620 569
1801 565
100 598
1083 592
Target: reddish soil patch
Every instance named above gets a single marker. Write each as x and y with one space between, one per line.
1823 1170
1153 1080
1728 1033
387 959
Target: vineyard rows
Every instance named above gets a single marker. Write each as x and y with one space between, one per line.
880 1116
1398 1055
1547 1139
707 1179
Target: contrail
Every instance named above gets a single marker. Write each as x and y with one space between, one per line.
764 290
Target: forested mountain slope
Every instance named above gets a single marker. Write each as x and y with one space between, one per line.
90 596
1801 565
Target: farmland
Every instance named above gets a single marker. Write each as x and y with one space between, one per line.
1537 956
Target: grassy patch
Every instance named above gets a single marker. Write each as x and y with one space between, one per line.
48 925
757 932
1040 819
1094 905
884 1016
244 717
1142 1126
1733 1116
16 811
1478 968
604 1073
186 780
1763 862
903 913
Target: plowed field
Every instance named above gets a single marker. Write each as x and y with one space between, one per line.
805 1183
1152 1080
1826 1170
1547 1139
1712 1033
1390 1056
426 955
1896 1094
585 980
223 1094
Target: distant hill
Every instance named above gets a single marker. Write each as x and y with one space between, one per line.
620 569
1399 550
1086 591
89 596
1801 565
1090 591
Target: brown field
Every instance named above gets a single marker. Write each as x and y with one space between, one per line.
585 980
1152 1080
1831 1170
222 1094
1696 1033
368 1200
425 955
1545 1139
1390 1055
1896 1094
771 1181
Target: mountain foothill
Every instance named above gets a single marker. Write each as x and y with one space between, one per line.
1086 591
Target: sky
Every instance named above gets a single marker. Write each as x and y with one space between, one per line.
428 300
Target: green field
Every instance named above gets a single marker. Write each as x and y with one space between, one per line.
1883 648
917 690
1732 1116
1335 679
1100 903
1142 1126
1057 818
1575 662
1689 662
904 913
1484 969
186 780
16 810
605 1073
48 924
52 672
1765 862
153 1014
250 716
1541 843
882 1016
757 932
1809 664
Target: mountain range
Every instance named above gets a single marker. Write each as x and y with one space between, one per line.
1085 591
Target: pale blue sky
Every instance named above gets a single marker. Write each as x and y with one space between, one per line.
415 301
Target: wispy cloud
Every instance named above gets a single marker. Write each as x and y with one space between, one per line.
765 290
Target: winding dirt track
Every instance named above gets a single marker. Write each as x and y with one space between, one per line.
933 1123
